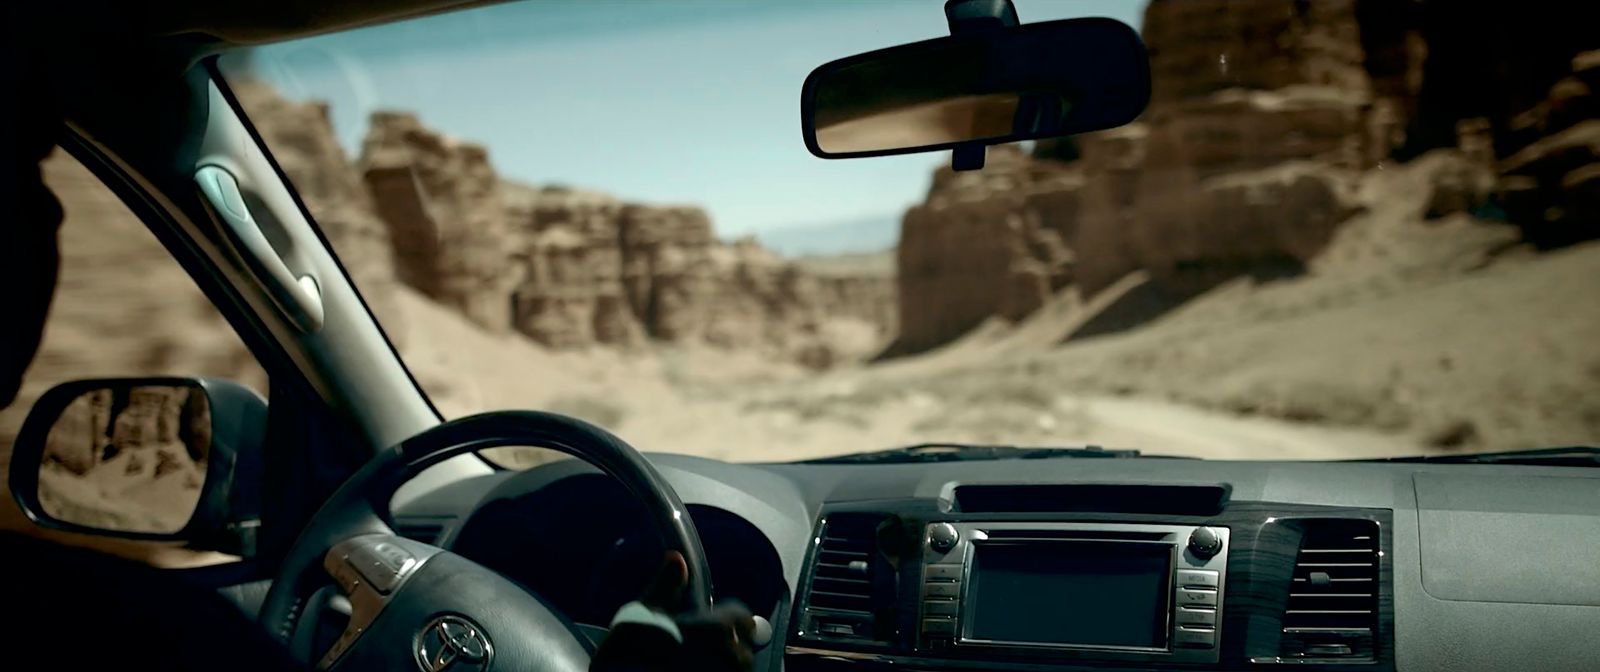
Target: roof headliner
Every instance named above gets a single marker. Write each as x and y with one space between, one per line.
225 23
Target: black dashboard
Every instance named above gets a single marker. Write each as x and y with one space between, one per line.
1064 564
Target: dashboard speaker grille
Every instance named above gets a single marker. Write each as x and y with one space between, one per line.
1332 609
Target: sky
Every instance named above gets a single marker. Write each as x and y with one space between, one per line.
659 101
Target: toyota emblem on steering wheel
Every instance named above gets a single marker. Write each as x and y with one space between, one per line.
455 644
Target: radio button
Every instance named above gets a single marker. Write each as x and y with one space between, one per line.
939 627
949 573
1197 616
1195 597
944 590
939 608
1195 637
1197 578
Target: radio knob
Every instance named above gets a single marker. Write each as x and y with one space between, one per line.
1204 542
942 537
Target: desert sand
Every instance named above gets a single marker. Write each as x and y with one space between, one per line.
1405 337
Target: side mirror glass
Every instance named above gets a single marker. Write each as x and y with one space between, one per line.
143 458
988 87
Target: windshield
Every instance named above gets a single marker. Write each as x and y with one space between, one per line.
1337 232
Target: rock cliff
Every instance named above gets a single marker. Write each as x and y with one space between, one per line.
984 244
303 143
568 268
1265 116
572 268
442 203
131 461
595 270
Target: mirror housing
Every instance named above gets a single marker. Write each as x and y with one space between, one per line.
977 88
92 451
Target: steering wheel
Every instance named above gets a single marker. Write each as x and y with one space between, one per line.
413 604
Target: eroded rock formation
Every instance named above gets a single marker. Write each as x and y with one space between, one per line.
572 268
441 200
165 427
1264 116
984 243
130 459
568 268
595 270
304 145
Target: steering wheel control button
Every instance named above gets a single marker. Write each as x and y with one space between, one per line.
1197 578
345 576
453 643
944 573
942 537
1197 597
1197 616
1204 542
398 559
1198 637
383 564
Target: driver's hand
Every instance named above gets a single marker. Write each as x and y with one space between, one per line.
714 640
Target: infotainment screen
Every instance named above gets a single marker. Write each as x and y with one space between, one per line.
1067 592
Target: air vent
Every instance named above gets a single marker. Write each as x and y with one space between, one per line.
845 579
1332 610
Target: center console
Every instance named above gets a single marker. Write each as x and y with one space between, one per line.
1118 592
1067 577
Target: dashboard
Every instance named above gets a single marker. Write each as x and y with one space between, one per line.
1074 564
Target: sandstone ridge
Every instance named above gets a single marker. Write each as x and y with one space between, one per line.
1250 157
565 267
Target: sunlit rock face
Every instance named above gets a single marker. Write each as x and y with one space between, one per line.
1265 118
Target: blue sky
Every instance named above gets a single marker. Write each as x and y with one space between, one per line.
689 101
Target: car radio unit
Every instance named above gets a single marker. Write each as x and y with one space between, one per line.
1125 592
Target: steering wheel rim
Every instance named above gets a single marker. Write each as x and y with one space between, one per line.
360 507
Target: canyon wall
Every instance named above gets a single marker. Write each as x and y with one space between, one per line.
302 141
595 270
131 461
447 223
1265 116
567 268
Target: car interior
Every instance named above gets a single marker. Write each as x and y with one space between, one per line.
369 527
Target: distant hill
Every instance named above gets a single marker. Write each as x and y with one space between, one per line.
852 264
867 234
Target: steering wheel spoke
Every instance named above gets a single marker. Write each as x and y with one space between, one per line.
412 604
369 569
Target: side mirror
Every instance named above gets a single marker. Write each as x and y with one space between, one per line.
986 87
161 459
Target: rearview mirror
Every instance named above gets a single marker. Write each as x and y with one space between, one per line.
990 87
144 458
